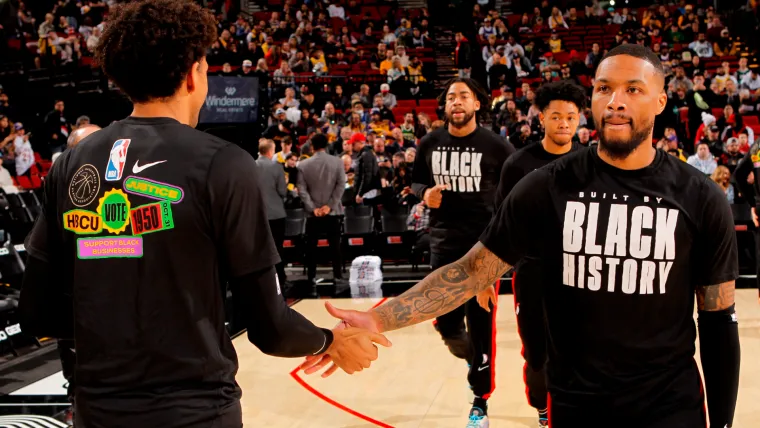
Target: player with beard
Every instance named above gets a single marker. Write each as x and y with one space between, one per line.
628 235
456 173
560 105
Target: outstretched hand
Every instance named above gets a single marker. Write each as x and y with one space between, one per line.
485 296
349 319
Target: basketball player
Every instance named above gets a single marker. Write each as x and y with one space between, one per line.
560 105
456 173
627 235
144 224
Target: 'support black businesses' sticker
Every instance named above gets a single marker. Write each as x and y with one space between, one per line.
84 186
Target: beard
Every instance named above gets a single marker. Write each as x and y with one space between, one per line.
618 148
460 123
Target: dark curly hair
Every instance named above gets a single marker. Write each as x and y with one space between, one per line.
562 90
149 46
477 91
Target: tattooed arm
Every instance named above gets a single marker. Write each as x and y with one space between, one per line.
716 297
720 350
442 291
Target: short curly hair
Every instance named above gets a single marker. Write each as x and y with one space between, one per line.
562 90
149 46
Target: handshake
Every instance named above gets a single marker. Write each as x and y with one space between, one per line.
354 344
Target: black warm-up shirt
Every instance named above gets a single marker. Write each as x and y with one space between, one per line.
471 166
623 252
146 221
520 164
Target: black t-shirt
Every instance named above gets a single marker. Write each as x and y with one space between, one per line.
525 160
143 218
471 165
625 251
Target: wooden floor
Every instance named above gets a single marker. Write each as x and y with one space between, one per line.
417 383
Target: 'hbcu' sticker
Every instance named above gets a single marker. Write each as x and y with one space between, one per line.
153 189
109 248
82 222
113 209
152 218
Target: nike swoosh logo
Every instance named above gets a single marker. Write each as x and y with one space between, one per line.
136 169
480 369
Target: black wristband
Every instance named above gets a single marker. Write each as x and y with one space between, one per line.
329 337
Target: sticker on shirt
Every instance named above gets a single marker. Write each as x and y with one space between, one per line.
152 218
113 209
153 189
110 248
117 159
82 222
84 186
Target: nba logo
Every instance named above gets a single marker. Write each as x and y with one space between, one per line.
117 160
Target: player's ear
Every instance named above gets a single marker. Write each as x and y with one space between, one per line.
541 118
477 105
662 101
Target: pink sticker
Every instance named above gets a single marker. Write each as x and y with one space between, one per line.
107 248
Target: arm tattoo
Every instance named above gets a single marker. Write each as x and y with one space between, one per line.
716 297
443 290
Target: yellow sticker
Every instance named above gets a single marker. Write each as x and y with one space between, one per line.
82 222
113 209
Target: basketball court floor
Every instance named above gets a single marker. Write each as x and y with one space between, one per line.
416 383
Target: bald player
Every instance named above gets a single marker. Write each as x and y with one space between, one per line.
80 134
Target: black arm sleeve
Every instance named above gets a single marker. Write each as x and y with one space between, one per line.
272 325
421 180
44 309
46 301
721 355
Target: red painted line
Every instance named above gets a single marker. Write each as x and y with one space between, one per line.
329 400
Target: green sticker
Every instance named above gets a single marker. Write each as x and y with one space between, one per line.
153 189
113 209
152 218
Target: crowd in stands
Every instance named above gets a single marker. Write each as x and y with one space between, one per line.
361 71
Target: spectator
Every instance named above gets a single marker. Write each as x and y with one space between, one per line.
389 100
594 57
583 136
57 127
722 177
397 73
367 182
751 81
387 64
703 160
321 183
556 20
377 125
409 130
702 47
487 30
336 10
731 157
274 191
290 100
286 144
363 96
462 55
388 37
